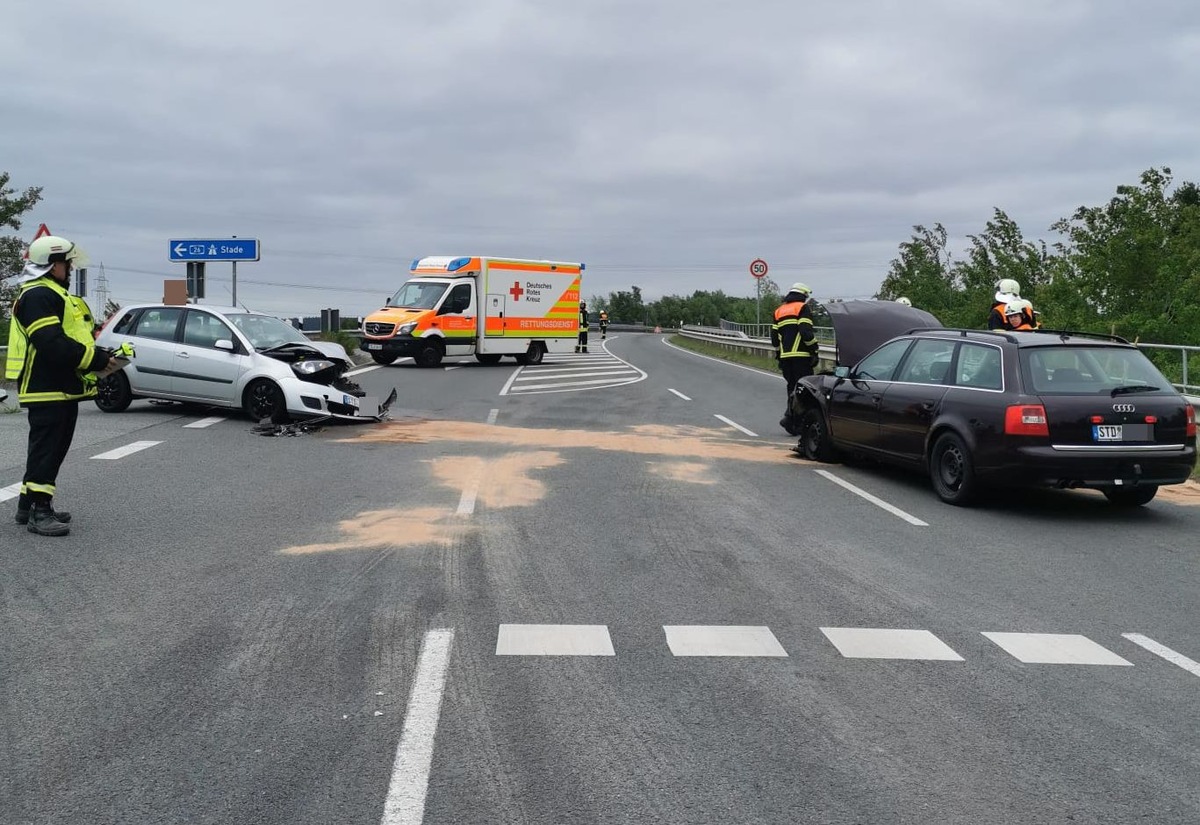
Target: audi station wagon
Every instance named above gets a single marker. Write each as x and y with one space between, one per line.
977 409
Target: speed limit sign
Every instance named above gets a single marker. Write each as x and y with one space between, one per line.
758 267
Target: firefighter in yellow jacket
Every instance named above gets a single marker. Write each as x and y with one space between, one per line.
53 358
795 343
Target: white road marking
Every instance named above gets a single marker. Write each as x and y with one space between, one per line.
511 379
764 372
722 640
204 422
607 371
1056 649
128 449
466 504
554 640
1190 665
881 643
492 415
405 804
878 502
11 491
681 395
608 382
736 426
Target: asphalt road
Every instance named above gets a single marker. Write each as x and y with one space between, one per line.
533 599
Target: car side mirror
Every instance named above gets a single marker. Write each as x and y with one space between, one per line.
841 372
387 302
224 344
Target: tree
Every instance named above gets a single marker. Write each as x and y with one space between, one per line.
923 273
627 307
11 246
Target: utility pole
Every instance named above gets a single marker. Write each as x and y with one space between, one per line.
102 292
235 303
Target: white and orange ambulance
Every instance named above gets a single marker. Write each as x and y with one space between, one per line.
481 306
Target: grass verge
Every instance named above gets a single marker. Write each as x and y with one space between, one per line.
746 359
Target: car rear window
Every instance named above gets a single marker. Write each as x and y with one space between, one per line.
1090 370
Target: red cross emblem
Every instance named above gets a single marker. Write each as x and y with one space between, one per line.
516 291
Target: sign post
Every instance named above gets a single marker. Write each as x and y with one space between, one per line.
200 250
758 268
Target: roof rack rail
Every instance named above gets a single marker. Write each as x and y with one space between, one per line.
962 331
1067 333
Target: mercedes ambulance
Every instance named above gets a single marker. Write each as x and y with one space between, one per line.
481 306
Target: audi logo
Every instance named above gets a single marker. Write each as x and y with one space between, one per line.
1126 408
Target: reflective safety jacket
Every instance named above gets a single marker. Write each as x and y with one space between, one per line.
996 319
583 320
51 348
792 333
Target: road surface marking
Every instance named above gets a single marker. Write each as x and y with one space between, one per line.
878 502
1056 649
722 640
681 395
11 491
1190 665
554 640
493 415
204 422
405 804
737 426
128 449
879 643
466 504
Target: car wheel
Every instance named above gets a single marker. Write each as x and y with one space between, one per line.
113 394
814 436
381 359
531 357
952 470
264 399
487 359
430 354
1131 496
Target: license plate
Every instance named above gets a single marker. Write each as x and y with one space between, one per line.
374 346
1107 432
349 400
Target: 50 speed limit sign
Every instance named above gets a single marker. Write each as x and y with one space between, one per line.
758 267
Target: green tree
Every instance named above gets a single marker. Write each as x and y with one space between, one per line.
923 273
626 307
12 207
1000 251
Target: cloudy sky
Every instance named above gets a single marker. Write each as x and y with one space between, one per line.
665 143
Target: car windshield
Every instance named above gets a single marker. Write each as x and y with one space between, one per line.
418 295
265 332
1091 370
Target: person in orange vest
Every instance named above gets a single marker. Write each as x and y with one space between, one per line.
794 342
1018 316
1008 292
603 324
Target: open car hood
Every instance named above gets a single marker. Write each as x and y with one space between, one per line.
861 326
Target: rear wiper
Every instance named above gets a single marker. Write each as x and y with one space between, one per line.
1128 388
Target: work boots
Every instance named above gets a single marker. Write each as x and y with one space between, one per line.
44 522
23 514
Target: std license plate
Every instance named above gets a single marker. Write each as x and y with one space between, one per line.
349 400
1107 432
373 346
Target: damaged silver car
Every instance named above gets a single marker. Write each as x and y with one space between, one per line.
231 357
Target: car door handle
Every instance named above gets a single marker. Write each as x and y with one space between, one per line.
928 405
183 355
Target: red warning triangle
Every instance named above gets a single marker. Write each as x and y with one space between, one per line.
42 232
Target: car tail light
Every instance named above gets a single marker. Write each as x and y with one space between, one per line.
1152 419
1026 419
1191 420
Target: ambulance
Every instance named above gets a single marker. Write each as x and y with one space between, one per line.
481 306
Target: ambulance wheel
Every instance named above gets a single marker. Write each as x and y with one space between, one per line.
491 358
532 357
381 359
113 394
430 354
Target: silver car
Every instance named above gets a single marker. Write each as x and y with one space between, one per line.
230 357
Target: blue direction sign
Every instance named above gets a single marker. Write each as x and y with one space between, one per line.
213 249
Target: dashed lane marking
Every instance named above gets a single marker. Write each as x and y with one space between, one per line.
553 640
878 502
888 643
128 449
681 395
722 640
1056 649
203 422
736 426
11 491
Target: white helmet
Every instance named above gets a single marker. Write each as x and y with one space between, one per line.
799 287
50 249
904 301
1007 289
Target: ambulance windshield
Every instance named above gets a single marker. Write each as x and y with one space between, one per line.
418 295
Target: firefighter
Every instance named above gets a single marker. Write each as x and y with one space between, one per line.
1018 316
1008 292
583 328
603 324
794 343
904 301
53 358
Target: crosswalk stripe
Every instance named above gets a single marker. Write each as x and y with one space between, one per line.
553 640
1056 649
204 422
128 449
722 640
889 643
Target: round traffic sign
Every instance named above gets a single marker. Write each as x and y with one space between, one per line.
758 267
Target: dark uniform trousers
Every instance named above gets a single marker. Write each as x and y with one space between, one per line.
51 428
793 370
